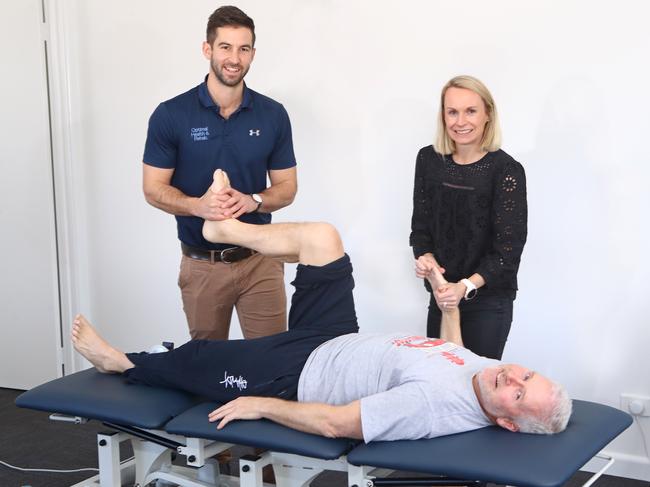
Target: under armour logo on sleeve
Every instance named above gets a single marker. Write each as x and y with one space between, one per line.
252 132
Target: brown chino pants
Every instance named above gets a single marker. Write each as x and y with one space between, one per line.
254 286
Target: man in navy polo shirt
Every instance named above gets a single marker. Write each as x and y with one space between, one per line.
222 124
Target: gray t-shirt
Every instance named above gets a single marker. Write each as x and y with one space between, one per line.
410 387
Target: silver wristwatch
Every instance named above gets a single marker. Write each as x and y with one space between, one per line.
257 199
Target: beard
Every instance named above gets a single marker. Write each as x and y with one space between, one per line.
488 402
231 82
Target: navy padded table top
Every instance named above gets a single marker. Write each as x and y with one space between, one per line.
495 455
259 433
107 397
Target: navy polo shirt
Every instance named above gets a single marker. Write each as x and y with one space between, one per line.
188 134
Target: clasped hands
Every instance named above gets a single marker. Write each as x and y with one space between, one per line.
446 294
224 204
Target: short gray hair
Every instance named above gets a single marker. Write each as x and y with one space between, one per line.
552 421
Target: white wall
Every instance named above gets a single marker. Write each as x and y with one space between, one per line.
28 272
360 81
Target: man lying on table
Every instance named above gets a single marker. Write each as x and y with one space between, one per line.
365 386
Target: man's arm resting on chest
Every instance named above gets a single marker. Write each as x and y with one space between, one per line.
316 418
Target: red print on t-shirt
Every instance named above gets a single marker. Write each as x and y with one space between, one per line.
453 358
415 341
418 342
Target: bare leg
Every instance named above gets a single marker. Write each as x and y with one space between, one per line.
96 350
308 243
450 320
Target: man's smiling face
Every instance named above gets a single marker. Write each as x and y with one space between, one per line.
508 391
231 54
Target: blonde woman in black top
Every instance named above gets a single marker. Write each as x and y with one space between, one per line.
470 217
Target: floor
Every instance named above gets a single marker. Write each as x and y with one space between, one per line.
29 439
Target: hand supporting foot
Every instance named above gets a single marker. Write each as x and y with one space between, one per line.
215 231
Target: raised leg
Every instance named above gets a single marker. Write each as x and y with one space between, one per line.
308 243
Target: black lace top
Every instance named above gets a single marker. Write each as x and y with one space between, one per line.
472 218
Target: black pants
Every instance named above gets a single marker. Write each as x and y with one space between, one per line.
484 321
322 308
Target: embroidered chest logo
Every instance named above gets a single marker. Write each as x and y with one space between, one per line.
255 132
199 133
435 345
232 381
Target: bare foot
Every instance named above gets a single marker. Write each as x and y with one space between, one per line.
220 181
95 349
217 231
220 231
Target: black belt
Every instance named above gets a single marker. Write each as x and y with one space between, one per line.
227 256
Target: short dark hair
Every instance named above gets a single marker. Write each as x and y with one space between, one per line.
228 15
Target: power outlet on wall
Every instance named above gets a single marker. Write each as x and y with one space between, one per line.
635 404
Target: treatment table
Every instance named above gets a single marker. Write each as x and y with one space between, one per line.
160 421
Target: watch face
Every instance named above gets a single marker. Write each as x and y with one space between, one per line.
257 197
